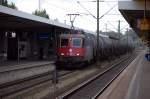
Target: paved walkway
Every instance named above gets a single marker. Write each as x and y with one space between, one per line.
133 83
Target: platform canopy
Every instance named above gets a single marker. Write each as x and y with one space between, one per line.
137 14
14 20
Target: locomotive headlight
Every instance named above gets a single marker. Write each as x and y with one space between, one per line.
78 54
62 54
70 50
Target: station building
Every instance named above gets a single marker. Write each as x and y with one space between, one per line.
26 36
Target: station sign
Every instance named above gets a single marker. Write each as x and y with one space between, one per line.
143 24
43 36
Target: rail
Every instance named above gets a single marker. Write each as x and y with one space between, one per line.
99 82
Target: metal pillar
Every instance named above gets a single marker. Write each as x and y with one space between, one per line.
127 42
119 26
39 5
98 32
106 29
18 56
119 34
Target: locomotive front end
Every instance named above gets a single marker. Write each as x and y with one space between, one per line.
70 48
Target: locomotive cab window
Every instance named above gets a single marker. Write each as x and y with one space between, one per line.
64 42
76 42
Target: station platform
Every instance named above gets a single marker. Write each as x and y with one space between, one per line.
25 62
133 82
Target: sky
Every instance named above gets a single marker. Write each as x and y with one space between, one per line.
58 9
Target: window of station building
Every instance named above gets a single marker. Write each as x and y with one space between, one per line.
76 42
6 34
64 42
13 35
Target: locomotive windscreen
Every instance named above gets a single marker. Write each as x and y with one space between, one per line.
77 42
64 42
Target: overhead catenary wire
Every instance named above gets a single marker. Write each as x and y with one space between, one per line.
86 9
61 8
56 6
103 14
96 1
93 22
112 25
92 14
108 11
126 26
64 9
81 5
89 13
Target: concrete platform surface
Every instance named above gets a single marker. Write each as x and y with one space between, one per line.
133 83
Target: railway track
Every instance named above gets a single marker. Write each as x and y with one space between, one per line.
17 72
13 87
93 87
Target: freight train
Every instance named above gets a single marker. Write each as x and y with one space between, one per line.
80 46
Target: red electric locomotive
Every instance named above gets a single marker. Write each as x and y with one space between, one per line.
70 48
73 48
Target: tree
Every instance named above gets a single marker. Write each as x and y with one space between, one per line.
12 5
5 3
41 13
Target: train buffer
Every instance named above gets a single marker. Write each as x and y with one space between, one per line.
133 83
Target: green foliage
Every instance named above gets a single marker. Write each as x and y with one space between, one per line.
41 13
11 5
4 2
